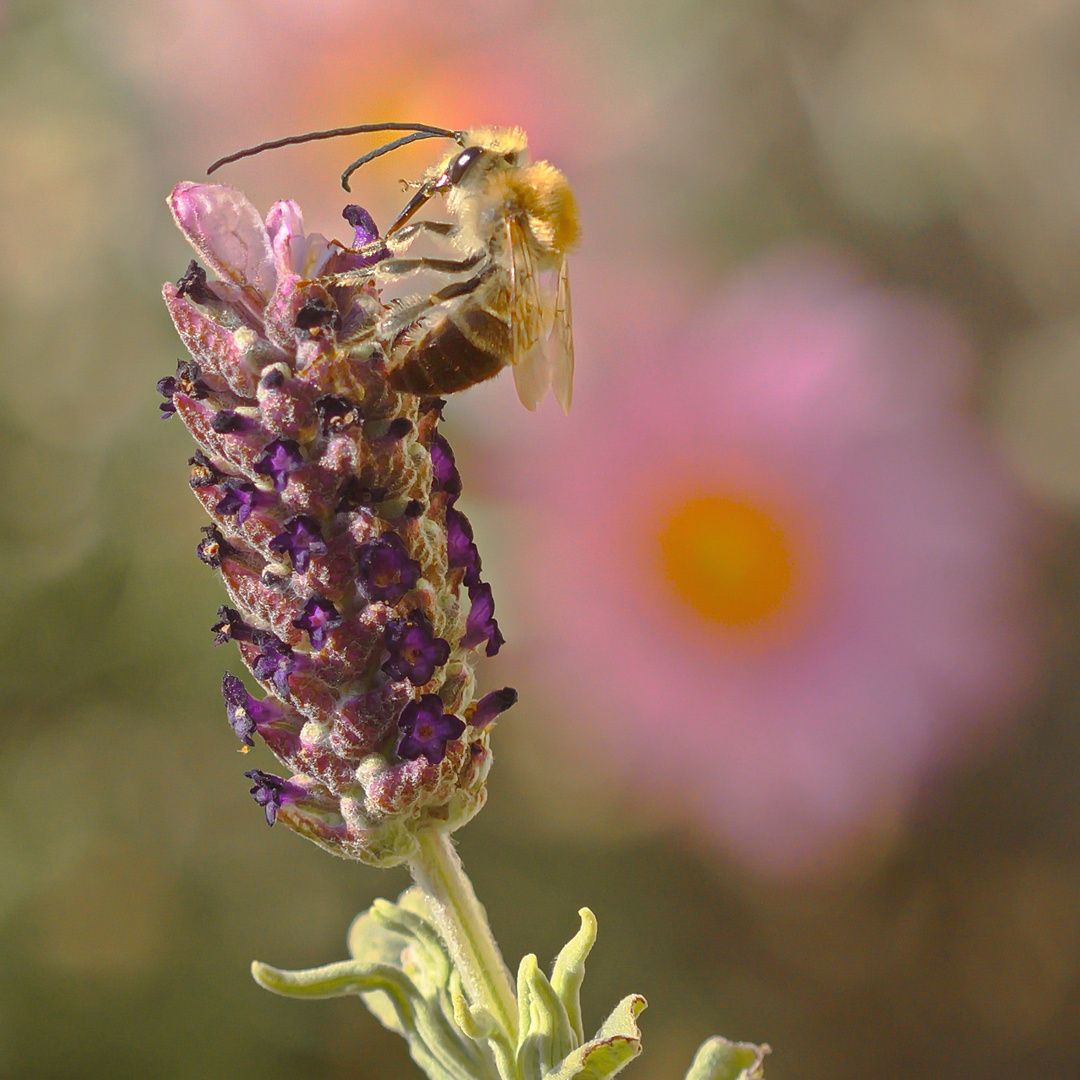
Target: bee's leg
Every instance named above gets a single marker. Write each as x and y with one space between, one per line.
401 267
409 233
406 236
353 278
460 288
405 316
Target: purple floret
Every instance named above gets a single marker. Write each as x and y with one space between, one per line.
281 459
336 414
300 538
248 715
385 569
426 729
362 222
444 474
167 387
203 472
273 792
239 706
230 422
481 626
193 284
213 547
492 705
231 627
365 236
415 651
186 381
241 498
318 618
461 551
275 662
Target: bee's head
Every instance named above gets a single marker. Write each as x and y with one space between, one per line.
483 155
483 150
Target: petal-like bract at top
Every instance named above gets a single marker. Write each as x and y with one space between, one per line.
227 231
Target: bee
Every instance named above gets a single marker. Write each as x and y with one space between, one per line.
512 224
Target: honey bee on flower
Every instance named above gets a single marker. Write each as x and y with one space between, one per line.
507 297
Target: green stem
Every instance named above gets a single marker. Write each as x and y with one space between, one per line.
463 923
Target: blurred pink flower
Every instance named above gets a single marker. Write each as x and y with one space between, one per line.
774 571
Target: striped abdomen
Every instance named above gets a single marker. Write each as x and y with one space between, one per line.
458 342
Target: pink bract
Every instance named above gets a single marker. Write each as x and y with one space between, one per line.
227 231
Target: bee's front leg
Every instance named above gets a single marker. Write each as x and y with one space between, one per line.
401 240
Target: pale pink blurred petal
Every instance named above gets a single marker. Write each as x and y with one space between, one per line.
832 408
285 226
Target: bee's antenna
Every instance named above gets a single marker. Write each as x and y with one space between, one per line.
372 154
423 131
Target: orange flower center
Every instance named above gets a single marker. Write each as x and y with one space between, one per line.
728 560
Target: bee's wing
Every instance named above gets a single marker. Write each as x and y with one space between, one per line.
560 343
532 371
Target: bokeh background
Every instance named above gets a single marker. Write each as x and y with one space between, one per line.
792 596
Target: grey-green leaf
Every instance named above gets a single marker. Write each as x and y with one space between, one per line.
544 1033
719 1059
615 1045
569 972
401 970
334 980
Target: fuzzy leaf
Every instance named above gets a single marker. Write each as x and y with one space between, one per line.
402 972
614 1046
474 1020
544 1033
335 980
719 1059
569 972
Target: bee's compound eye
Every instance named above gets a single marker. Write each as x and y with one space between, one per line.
462 163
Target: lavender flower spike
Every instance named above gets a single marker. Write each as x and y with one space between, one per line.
354 587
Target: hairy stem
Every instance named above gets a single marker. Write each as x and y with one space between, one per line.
463 923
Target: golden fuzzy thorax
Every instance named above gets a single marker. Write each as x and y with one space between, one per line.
544 194
539 192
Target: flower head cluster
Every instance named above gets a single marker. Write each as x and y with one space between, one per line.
354 583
